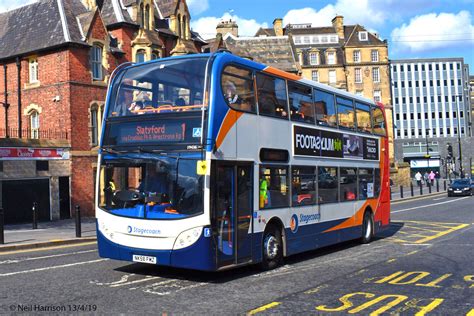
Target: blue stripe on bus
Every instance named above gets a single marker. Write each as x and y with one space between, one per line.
200 252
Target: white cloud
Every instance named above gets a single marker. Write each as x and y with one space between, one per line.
197 7
354 12
433 30
206 26
8 5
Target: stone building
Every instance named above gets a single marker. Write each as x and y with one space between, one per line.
56 57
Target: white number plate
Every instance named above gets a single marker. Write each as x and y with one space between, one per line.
457 191
144 259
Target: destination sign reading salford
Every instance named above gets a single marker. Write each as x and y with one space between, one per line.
322 143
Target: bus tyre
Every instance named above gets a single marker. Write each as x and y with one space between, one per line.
367 228
272 248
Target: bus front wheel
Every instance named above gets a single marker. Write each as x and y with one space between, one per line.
272 248
367 228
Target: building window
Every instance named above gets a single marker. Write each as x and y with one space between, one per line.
33 67
94 125
332 76
358 75
357 56
313 58
315 75
34 124
96 62
155 55
140 56
377 96
306 40
376 74
363 36
331 58
375 55
42 165
142 16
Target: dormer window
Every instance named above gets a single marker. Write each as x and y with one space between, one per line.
331 58
363 36
313 58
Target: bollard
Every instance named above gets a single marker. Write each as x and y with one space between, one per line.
437 185
429 187
2 222
401 191
78 221
411 189
35 215
444 185
421 188
390 188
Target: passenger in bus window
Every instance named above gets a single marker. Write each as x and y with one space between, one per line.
231 93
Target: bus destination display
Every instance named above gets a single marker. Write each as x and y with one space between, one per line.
322 143
154 132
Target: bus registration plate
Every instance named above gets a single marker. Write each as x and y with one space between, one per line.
144 259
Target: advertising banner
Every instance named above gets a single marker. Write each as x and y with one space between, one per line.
13 153
321 143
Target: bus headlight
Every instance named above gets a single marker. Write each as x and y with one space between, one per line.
187 238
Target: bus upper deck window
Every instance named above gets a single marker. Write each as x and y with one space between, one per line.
364 122
324 108
378 121
345 113
237 89
271 94
301 102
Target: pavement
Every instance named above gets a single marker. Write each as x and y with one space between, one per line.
48 234
63 232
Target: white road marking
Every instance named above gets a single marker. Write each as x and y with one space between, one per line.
52 267
428 205
24 230
46 257
148 278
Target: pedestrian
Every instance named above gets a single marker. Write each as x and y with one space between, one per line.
418 178
426 177
437 175
432 177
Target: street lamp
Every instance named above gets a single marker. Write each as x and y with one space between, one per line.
458 97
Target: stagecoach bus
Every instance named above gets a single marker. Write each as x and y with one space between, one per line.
212 161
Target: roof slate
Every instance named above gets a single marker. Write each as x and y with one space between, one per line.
31 28
167 7
272 51
109 16
352 37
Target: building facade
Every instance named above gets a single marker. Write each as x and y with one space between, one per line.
432 114
56 57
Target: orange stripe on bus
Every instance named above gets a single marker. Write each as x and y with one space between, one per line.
229 121
357 218
281 73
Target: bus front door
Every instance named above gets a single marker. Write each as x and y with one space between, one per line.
232 212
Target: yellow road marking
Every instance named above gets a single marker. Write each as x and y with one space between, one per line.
441 234
432 223
47 248
263 308
424 229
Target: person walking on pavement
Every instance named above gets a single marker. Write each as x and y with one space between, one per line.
418 178
426 178
432 177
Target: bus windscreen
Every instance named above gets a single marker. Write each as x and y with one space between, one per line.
159 87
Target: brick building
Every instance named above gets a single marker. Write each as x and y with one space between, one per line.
56 57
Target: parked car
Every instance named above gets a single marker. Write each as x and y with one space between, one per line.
460 187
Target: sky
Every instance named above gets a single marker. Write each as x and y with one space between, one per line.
413 28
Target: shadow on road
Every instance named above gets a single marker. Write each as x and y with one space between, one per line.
245 271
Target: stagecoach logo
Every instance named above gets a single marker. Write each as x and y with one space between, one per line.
143 231
294 223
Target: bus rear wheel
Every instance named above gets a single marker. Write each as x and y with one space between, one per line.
367 228
272 248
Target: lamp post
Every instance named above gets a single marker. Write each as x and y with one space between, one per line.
458 97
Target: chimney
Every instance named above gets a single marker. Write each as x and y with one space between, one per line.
225 27
278 26
338 24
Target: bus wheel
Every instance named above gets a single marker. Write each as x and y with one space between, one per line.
367 228
272 248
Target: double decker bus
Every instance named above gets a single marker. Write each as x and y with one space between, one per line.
212 161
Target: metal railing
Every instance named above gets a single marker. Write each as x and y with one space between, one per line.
29 133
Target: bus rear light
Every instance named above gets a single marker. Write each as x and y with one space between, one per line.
187 238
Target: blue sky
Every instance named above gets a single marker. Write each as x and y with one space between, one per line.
413 28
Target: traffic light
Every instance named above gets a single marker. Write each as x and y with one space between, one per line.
450 151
